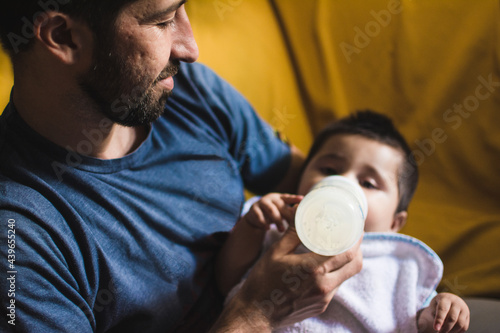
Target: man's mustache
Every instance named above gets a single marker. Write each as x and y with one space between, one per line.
171 69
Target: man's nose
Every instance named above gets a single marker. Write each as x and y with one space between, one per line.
184 47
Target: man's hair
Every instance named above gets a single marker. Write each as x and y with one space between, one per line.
18 16
378 127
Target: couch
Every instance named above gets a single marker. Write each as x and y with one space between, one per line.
433 66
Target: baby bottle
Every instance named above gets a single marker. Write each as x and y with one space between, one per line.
331 217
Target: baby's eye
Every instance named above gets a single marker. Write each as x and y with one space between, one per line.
367 184
328 171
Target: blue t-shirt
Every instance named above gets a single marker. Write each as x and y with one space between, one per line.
127 245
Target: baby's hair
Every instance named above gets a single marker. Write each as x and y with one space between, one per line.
378 127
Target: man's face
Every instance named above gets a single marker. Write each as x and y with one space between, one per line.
371 164
131 75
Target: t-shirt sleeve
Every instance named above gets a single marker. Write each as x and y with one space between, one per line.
263 158
40 295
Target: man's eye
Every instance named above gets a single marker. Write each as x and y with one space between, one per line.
166 24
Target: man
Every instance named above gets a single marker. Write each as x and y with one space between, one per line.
116 198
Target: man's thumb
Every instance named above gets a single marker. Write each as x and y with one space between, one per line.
288 243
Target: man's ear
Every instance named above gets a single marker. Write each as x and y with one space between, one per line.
62 36
399 220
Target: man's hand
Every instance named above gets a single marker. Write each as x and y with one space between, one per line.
284 287
446 313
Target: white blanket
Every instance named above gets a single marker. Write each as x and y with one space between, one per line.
399 277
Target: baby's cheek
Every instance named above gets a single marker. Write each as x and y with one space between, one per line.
376 221
369 224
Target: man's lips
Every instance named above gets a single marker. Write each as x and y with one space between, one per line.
165 79
167 83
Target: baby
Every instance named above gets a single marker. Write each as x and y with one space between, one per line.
395 291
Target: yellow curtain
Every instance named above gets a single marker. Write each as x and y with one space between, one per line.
6 80
430 65
433 66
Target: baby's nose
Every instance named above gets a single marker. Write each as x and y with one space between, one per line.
349 174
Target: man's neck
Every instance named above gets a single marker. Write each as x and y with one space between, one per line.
74 123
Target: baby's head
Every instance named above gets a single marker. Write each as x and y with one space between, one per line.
367 148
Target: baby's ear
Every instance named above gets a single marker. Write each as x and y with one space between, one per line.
399 220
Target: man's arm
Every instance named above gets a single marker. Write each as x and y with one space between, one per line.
290 182
44 295
239 252
284 287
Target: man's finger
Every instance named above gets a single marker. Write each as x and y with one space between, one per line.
332 263
352 265
287 244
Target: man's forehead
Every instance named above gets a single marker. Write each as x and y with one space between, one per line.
144 10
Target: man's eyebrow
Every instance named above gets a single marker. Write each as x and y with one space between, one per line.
159 15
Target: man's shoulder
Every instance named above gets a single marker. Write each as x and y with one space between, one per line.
3 124
15 195
205 102
197 70
199 79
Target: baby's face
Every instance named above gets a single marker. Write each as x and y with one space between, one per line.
373 165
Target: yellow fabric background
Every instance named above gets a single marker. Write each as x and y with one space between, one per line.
305 63
413 61
6 80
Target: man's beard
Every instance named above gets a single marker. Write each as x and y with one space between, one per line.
125 97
